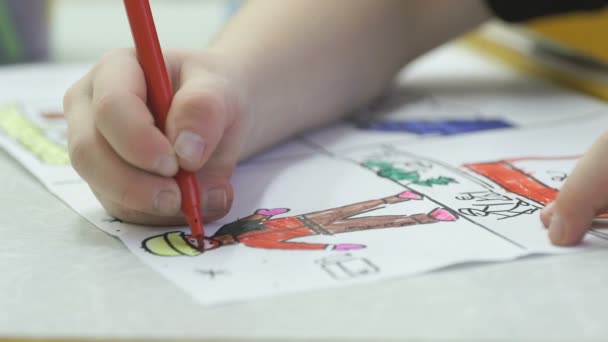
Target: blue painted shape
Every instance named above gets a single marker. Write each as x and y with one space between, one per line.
437 127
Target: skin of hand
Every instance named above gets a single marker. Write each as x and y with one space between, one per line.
581 198
278 68
126 160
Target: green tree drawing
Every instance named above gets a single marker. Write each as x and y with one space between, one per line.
388 170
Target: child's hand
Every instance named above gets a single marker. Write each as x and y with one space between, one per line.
299 74
583 196
129 163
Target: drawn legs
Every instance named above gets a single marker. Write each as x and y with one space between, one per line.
386 221
337 220
327 217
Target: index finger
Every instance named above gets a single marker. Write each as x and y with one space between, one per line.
583 196
123 118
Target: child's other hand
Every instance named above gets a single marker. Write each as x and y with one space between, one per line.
129 163
583 196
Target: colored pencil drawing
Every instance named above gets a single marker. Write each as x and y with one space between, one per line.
424 115
445 127
535 178
261 230
522 191
43 143
412 176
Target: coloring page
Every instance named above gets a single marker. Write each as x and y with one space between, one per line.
432 175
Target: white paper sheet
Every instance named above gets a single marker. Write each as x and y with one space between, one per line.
322 201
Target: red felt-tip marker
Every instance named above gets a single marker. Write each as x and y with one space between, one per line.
160 95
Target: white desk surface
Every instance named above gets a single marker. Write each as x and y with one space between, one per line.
62 277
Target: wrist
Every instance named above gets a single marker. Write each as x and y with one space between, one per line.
239 81
260 97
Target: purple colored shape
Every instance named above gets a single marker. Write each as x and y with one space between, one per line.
438 127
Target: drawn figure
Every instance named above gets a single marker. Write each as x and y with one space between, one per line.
347 266
260 230
509 208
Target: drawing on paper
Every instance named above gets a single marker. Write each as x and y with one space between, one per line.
261 230
535 178
445 127
486 203
346 266
40 142
424 115
412 176
452 183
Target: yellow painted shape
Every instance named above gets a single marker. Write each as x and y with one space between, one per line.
18 127
178 241
159 246
169 244
529 65
583 32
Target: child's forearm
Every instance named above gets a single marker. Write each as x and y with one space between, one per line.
306 62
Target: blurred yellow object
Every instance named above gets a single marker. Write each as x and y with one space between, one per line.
567 49
584 33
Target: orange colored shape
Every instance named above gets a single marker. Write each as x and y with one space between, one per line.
53 115
515 180
277 234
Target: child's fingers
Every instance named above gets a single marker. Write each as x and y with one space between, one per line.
216 193
122 117
113 142
130 215
214 178
109 175
201 112
581 198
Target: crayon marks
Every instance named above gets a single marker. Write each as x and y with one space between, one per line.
491 203
261 230
18 127
444 127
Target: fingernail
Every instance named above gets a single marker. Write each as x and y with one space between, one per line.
166 165
215 200
190 146
556 229
167 203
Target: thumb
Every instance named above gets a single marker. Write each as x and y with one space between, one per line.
205 127
583 196
201 112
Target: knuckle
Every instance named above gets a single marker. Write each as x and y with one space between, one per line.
603 139
120 212
70 95
113 54
128 193
78 90
200 102
78 152
105 104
